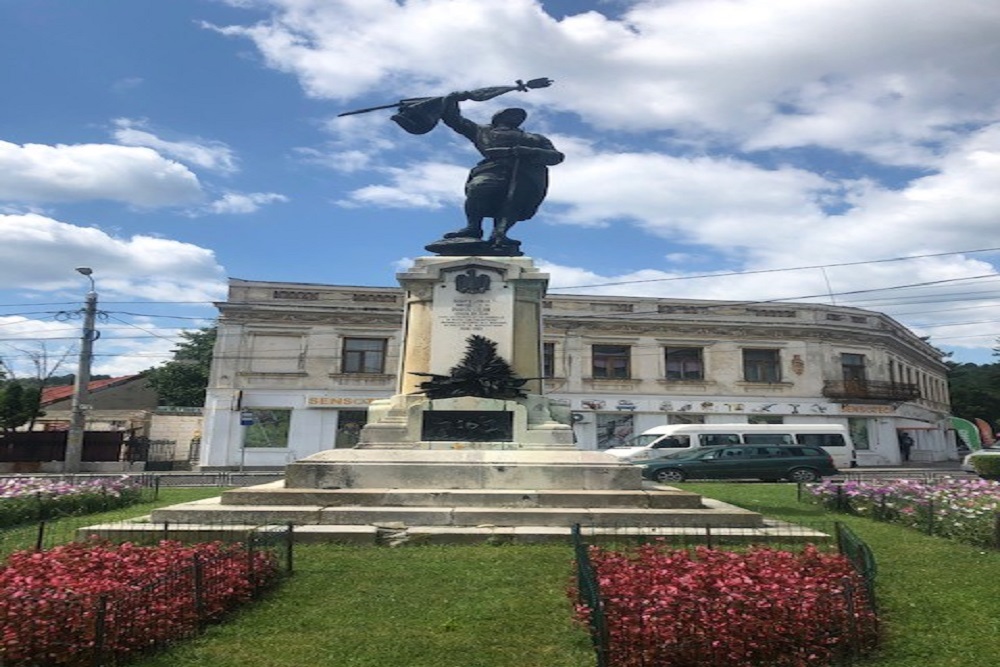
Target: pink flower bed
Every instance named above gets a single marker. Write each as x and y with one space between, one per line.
740 609
60 607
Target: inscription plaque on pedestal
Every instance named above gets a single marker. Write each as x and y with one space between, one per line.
475 300
467 426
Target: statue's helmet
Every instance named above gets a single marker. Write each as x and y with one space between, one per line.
513 116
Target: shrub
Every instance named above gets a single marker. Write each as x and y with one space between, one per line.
986 466
707 607
23 500
74 604
960 509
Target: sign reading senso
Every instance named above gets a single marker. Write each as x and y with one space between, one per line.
336 401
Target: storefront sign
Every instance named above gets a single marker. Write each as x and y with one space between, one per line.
336 401
868 409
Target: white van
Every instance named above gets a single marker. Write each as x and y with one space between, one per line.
659 441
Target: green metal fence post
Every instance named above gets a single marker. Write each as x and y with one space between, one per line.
289 547
199 601
100 629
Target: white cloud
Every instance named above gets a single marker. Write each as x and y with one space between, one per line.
211 155
887 78
244 202
61 173
39 254
428 185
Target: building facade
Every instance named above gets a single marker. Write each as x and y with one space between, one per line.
296 365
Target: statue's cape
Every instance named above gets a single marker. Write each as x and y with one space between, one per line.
420 116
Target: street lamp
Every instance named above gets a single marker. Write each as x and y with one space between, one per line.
78 415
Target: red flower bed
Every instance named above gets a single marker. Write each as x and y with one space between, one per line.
60 607
708 607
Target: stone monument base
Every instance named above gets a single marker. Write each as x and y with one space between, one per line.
413 421
400 496
462 469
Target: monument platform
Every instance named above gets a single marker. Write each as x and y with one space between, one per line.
372 515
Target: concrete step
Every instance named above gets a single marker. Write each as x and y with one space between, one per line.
213 510
277 494
770 531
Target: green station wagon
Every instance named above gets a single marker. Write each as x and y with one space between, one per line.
768 462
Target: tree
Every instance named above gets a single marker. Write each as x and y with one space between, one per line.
182 382
18 405
975 391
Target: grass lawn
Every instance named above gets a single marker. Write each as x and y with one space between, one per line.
62 530
469 606
498 606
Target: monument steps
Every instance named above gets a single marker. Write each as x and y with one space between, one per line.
398 534
449 516
275 493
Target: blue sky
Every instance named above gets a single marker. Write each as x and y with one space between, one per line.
753 150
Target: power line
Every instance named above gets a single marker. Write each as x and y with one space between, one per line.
797 268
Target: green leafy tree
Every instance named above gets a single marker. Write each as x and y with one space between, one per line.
18 405
975 391
182 382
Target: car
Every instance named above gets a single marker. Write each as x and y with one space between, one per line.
797 463
985 451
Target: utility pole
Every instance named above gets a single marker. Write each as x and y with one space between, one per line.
78 409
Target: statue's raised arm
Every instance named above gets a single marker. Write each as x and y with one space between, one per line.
507 185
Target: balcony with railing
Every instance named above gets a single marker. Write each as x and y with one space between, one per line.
868 390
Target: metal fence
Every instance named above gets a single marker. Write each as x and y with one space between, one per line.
635 645
109 625
222 478
929 516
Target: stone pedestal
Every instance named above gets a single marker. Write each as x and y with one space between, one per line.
449 299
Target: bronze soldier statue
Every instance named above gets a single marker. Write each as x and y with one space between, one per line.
507 185
511 180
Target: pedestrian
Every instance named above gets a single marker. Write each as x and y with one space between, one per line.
905 445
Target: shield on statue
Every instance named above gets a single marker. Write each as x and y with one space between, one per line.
419 116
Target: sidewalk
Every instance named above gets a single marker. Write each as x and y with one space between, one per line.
914 466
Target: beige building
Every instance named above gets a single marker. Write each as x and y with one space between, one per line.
296 365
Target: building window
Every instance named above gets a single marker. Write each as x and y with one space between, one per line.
548 360
684 363
766 419
269 427
761 365
364 355
611 361
853 367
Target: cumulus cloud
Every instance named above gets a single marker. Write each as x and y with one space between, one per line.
62 173
244 202
140 266
887 78
211 155
428 185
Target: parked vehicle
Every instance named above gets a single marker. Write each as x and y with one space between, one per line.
767 462
660 441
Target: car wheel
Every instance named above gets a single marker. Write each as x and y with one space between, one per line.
669 476
803 475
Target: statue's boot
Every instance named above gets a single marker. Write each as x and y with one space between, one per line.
466 233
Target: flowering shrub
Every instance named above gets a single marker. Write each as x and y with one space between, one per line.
708 607
75 603
961 509
25 499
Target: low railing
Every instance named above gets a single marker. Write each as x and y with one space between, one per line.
870 390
